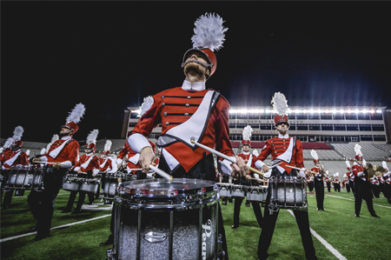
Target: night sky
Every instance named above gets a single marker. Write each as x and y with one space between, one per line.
111 55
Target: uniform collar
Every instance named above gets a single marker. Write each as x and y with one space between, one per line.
67 137
193 86
283 136
245 153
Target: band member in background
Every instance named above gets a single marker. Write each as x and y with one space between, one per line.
190 112
336 183
328 181
375 186
87 167
288 151
310 182
386 182
61 156
345 183
362 184
350 176
318 172
14 156
107 165
247 157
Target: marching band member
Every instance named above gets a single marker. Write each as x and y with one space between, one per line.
106 163
318 180
247 157
328 181
62 154
88 165
14 156
386 179
362 184
190 112
287 151
375 185
336 182
345 183
351 177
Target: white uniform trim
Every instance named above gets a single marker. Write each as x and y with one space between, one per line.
137 142
170 160
55 152
194 126
11 160
135 158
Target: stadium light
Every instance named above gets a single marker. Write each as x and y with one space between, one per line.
378 111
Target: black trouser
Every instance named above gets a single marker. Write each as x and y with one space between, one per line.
311 186
363 192
386 188
7 198
319 190
375 190
269 222
41 203
347 186
351 184
256 207
337 187
328 184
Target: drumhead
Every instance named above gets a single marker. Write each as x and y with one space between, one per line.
161 191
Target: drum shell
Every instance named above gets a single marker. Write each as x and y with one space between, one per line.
288 193
110 188
71 185
190 239
90 186
256 194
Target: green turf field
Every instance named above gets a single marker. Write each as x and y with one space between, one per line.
354 238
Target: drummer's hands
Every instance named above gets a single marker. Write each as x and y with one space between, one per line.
265 168
248 177
239 168
146 158
57 165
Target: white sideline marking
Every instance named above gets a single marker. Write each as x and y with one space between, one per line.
342 198
324 242
58 227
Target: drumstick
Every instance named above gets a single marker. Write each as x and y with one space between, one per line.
135 169
297 168
193 141
161 173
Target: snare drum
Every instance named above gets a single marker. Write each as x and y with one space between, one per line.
89 185
145 212
71 182
110 185
287 192
225 189
238 191
256 193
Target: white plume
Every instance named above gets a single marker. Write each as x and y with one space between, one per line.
9 142
327 172
43 151
107 145
76 114
91 138
347 164
279 103
54 138
384 164
146 105
209 32
18 133
314 154
336 174
255 152
357 149
247 131
1 149
364 163
28 152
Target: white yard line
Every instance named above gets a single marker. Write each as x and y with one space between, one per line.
342 198
329 247
58 227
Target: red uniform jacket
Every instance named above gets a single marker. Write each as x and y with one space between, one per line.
173 107
59 152
87 163
105 164
357 170
318 176
10 158
278 146
129 154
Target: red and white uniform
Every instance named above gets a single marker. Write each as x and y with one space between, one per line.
386 177
318 175
350 175
336 180
107 164
64 151
284 149
87 163
247 157
186 112
10 158
375 180
358 172
131 157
